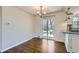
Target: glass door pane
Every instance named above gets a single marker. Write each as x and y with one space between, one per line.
45 28
48 28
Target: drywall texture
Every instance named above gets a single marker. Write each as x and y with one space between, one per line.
0 29
18 26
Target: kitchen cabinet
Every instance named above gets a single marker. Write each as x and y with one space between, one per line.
75 43
72 41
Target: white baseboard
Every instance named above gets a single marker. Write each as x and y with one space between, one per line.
14 45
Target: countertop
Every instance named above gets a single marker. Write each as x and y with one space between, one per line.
69 32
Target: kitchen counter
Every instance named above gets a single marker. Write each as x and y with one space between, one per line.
71 41
69 32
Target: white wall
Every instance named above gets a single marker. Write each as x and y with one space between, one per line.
60 26
0 29
18 26
38 26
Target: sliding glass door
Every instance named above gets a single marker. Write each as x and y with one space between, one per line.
48 28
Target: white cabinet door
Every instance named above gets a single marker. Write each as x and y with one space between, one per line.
72 42
75 43
68 42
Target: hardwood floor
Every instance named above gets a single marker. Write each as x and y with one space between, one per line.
37 45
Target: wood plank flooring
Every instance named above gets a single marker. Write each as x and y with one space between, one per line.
37 45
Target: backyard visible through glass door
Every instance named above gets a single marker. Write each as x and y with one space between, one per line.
48 28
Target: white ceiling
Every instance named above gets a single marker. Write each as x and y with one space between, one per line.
33 9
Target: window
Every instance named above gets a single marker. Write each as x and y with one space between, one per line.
76 22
